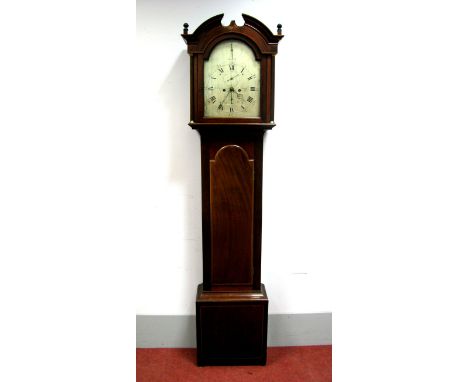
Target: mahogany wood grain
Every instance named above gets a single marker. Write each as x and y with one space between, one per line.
232 172
232 327
231 180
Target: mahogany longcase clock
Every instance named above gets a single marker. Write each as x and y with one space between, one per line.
232 71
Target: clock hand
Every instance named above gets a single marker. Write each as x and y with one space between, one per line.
224 99
234 77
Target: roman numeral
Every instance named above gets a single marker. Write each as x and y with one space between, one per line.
211 88
251 77
249 99
252 88
231 109
213 99
231 67
220 107
221 70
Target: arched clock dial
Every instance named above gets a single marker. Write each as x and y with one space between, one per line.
232 82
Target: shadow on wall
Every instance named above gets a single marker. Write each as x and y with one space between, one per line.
184 167
175 93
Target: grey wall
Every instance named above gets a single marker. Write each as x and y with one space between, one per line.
283 330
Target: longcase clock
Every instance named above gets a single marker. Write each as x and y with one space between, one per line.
231 105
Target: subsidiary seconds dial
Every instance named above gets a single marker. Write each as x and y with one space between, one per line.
232 82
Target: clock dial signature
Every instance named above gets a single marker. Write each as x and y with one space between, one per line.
232 82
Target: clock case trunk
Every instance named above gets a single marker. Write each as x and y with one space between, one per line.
231 303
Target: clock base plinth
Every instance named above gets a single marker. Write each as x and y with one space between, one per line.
231 327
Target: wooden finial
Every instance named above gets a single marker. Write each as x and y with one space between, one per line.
280 31
186 28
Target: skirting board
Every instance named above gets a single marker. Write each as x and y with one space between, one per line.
283 330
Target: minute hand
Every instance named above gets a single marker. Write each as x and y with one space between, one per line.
230 79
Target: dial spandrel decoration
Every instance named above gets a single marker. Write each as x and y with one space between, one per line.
232 82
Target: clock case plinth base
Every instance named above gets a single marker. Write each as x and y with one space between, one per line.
232 327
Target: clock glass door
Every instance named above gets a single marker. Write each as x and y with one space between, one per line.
232 81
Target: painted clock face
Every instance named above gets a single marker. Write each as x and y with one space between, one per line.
232 82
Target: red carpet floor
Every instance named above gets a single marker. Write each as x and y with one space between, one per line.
291 364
